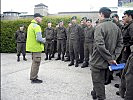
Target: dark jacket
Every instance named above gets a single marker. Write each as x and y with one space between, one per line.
128 34
68 33
75 32
108 44
49 34
20 36
82 32
61 33
89 34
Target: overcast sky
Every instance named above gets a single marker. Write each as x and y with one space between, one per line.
55 6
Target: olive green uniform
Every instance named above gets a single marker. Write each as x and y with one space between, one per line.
20 37
82 39
61 40
107 46
49 44
67 42
74 42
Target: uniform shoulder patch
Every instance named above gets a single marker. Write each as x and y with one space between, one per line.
35 25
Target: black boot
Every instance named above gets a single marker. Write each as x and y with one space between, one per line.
62 58
72 63
80 61
76 64
46 57
24 58
49 57
58 58
18 59
93 94
67 59
85 64
52 56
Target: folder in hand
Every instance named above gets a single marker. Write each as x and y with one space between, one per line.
113 67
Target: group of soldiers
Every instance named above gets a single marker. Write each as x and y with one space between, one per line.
74 42
109 42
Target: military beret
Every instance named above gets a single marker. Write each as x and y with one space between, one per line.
74 17
49 22
115 15
21 25
60 21
89 20
84 18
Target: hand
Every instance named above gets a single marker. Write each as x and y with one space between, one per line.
125 49
112 62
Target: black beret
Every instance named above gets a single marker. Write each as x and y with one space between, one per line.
84 18
115 15
74 17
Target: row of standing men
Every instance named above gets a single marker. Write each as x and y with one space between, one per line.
74 42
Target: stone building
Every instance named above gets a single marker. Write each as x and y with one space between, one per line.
10 15
42 9
89 14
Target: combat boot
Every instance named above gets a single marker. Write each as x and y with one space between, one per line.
50 57
62 58
72 63
93 94
76 64
18 59
58 58
24 58
46 57
85 64
67 59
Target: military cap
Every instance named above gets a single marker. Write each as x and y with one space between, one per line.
89 20
115 15
37 15
21 25
60 21
74 17
84 18
81 20
49 22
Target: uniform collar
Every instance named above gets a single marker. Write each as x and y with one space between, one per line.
34 21
105 20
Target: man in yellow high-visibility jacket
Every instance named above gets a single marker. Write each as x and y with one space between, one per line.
35 45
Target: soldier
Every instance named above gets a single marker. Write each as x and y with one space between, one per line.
55 42
88 44
129 76
67 42
49 45
127 73
20 37
35 45
61 40
126 39
83 26
115 18
107 48
74 41
81 22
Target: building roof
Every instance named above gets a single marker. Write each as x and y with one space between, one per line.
11 12
41 4
80 12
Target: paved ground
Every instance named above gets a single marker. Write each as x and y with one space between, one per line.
60 81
